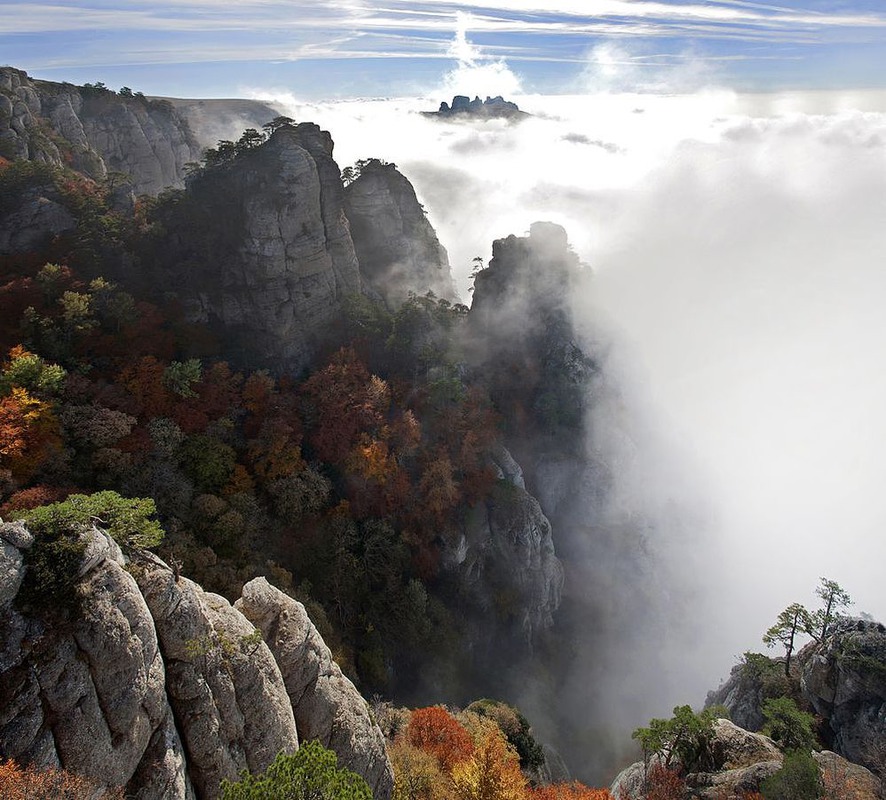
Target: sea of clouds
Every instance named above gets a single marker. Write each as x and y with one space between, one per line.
738 250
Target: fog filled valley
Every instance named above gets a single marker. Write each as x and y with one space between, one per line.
560 411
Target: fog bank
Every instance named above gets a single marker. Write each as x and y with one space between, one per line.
736 244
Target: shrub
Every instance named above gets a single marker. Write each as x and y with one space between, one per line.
49 784
516 728
54 560
787 725
311 773
798 779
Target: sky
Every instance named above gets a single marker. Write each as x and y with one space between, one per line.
353 48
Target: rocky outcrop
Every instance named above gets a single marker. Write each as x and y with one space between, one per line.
162 688
326 705
223 684
525 343
742 761
396 246
36 219
262 249
506 560
95 131
844 678
90 696
490 108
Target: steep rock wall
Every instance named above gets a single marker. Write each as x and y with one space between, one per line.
96 132
163 688
397 248
261 249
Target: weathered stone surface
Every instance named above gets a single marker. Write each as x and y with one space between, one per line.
396 246
34 222
263 252
162 772
327 707
96 132
508 550
224 687
89 695
742 695
846 780
733 784
13 539
734 747
844 677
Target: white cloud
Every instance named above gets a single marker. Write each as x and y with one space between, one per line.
737 243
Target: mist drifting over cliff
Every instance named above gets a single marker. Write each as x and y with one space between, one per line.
733 247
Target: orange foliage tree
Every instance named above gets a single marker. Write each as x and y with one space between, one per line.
664 784
346 401
436 731
29 433
50 784
491 773
572 790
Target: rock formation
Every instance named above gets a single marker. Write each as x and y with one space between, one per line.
326 705
743 760
396 246
95 131
507 551
842 679
165 689
491 108
262 249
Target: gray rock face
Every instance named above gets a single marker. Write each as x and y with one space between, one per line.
224 688
35 220
327 707
91 694
844 678
396 246
164 689
742 696
743 760
263 247
507 551
14 538
95 132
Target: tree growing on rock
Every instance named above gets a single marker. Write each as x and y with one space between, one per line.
793 621
834 598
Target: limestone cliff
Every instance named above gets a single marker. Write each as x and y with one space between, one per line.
94 131
397 248
260 248
165 689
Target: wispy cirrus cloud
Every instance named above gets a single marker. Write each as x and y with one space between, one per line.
44 35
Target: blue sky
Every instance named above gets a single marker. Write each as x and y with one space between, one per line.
356 48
